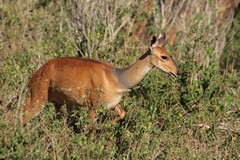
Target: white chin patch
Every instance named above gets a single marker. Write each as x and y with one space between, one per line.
163 69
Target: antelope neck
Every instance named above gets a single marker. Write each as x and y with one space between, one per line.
133 74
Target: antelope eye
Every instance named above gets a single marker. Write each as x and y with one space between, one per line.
164 57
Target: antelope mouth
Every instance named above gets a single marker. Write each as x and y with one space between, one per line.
175 75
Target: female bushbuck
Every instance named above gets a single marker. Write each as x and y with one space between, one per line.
78 81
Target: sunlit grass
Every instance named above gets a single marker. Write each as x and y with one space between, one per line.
193 117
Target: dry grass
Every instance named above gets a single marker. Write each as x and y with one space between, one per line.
193 117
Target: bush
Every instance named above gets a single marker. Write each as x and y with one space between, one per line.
193 117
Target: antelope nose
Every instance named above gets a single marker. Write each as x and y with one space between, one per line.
178 74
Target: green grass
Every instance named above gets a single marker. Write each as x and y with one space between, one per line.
196 116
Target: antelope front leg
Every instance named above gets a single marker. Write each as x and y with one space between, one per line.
92 115
119 109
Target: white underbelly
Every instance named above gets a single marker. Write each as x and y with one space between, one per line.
114 101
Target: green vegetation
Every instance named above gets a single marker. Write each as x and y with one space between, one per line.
196 116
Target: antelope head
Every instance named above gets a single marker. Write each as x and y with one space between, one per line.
160 57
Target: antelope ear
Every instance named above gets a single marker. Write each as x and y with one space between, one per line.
154 42
161 40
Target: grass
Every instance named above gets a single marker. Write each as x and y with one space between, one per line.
196 116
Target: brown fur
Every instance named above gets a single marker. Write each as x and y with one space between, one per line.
79 82
70 81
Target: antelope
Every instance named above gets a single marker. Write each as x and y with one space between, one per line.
73 81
